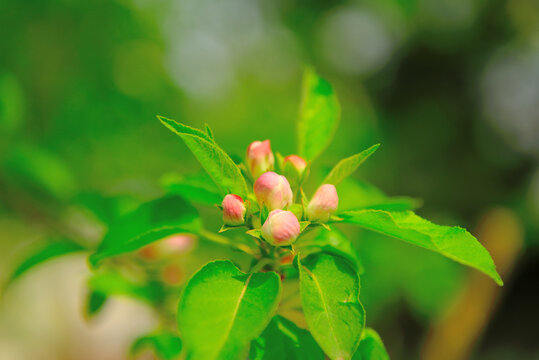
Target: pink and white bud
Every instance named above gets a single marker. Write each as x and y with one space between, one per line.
273 190
233 210
260 157
297 162
281 228
178 243
323 204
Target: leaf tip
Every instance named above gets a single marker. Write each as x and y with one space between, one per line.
498 279
94 260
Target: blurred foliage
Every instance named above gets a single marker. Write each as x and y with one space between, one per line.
450 88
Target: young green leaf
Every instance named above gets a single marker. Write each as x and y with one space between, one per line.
49 251
223 309
180 128
152 221
166 345
95 300
113 283
197 188
362 195
346 167
330 296
209 131
283 340
335 242
221 168
371 347
318 116
38 170
453 242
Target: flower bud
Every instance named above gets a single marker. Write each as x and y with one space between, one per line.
259 157
233 210
170 246
297 162
178 243
281 228
323 204
273 190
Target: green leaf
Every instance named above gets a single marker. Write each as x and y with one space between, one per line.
39 170
223 309
48 252
453 242
150 222
197 188
221 168
371 347
180 128
113 283
346 167
335 242
107 208
318 116
330 297
362 195
255 233
283 340
165 345
95 300
208 131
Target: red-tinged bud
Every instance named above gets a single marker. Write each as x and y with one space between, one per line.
260 158
281 228
273 190
297 162
323 204
233 210
287 259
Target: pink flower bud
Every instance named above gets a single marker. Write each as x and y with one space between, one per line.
323 204
233 210
260 158
281 228
170 246
179 243
273 190
297 162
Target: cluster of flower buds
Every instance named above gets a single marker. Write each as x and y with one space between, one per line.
273 192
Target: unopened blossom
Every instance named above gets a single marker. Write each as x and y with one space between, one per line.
297 162
260 157
273 190
281 228
323 204
169 246
233 210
